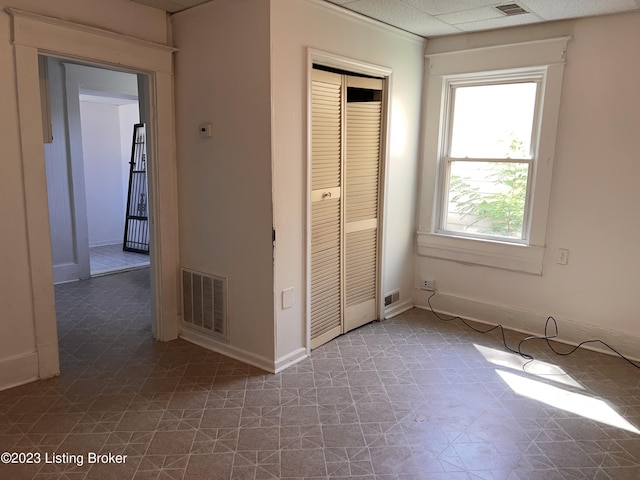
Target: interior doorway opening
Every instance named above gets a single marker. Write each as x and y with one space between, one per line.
90 117
34 35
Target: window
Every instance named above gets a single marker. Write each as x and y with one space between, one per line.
489 145
489 156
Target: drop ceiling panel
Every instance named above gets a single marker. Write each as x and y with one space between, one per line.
502 22
171 6
473 15
438 7
556 10
432 18
402 16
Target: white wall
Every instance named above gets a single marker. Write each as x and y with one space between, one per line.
106 172
222 77
296 26
18 360
594 200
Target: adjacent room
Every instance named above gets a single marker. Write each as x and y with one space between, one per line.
376 232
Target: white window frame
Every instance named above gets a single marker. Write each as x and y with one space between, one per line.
543 59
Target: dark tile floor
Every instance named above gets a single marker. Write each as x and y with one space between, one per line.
408 398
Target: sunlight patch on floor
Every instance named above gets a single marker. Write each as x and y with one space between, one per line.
578 403
535 367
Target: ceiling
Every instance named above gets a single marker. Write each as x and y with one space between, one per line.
432 18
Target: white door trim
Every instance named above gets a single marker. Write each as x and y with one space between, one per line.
34 34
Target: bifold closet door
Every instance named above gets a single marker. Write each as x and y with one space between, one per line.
361 173
326 206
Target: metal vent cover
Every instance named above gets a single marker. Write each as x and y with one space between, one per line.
204 302
510 9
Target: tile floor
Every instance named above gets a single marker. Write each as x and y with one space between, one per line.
408 398
111 258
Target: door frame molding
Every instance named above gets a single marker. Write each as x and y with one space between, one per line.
33 35
328 59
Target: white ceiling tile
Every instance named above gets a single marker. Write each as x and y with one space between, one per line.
171 6
341 2
431 18
166 5
556 10
438 7
473 15
402 16
504 21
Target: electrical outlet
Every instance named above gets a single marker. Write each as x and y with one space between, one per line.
428 284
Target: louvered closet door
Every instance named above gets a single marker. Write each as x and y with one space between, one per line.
361 186
326 234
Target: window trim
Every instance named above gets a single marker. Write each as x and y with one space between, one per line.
547 56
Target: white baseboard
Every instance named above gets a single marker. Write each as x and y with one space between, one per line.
205 341
18 370
290 359
569 331
105 243
397 309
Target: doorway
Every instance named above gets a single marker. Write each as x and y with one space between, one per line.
92 112
35 35
346 137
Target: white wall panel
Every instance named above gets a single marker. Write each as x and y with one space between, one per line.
594 196
295 27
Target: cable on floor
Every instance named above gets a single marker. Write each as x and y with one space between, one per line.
546 337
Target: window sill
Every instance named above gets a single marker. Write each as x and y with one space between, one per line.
506 256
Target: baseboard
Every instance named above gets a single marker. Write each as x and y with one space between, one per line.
569 331
290 359
397 309
18 370
199 338
105 243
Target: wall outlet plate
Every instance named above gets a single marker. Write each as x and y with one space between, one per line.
428 284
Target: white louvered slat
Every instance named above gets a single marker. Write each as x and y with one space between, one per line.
326 224
360 265
326 132
361 170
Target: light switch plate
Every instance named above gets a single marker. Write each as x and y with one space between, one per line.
287 298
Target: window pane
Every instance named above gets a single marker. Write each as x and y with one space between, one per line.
487 198
493 121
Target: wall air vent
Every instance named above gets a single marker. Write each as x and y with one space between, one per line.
204 302
392 297
510 9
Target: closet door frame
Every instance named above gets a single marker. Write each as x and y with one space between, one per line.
355 66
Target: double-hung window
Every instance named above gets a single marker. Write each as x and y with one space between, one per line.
489 146
489 155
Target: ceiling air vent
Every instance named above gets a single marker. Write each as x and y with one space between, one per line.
510 9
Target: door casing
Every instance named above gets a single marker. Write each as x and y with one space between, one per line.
33 35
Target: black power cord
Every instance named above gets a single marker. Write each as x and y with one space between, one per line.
546 337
